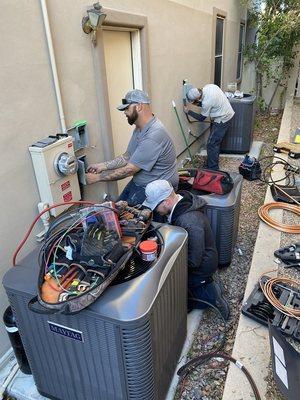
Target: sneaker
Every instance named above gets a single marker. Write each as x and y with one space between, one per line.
220 301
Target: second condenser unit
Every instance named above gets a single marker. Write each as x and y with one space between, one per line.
239 137
223 212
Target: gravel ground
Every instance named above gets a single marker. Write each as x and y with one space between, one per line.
207 382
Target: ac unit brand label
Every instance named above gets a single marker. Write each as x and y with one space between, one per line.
65 331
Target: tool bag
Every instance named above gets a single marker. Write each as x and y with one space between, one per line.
218 182
80 257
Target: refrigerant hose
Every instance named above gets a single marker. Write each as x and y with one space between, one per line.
264 215
205 357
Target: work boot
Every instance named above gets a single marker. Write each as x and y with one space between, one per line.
215 289
220 301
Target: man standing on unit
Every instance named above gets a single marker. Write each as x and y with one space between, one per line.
186 210
150 153
214 104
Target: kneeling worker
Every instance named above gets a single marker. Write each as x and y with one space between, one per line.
186 210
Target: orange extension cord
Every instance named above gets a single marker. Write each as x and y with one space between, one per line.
264 210
267 289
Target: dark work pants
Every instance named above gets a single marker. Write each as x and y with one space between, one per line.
201 289
215 138
133 194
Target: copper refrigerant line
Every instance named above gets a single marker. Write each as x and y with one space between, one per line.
268 291
265 209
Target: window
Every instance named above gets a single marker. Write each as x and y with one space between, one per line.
239 68
219 50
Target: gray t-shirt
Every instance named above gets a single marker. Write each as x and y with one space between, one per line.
152 150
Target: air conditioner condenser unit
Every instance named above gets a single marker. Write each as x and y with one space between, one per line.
125 346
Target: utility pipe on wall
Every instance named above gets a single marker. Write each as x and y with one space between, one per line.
53 66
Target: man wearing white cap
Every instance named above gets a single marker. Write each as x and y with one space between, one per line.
150 153
214 104
186 210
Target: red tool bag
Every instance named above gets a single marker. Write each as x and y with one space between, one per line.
218 182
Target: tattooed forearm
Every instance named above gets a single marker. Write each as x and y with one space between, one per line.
120 173
118 162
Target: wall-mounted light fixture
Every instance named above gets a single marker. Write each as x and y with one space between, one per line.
93 21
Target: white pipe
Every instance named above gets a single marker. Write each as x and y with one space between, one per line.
53 66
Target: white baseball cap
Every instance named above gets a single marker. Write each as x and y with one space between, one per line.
156 192
193 94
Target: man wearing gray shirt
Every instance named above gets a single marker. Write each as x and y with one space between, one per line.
214 104
150 154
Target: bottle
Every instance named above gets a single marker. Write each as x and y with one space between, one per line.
15 340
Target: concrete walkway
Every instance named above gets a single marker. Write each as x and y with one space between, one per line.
252 340
253 152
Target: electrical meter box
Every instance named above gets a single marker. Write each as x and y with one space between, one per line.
55 167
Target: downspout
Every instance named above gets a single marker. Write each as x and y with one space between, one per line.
53 66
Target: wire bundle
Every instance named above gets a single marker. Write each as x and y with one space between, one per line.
264 210
269 292
289 173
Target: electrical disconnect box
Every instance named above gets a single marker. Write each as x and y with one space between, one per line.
55 167
185 88
80 135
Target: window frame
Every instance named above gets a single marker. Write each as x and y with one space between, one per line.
221 55
217 13
242 43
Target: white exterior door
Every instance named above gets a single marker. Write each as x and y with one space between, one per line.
122 69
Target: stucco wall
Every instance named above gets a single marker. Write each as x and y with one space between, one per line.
180 46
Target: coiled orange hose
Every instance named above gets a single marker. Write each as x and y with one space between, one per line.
264 210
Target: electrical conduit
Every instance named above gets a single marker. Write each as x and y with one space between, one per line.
53 65
181 130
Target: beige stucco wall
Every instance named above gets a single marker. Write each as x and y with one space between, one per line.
180 46
233 8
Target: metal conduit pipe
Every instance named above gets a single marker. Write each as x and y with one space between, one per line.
53 66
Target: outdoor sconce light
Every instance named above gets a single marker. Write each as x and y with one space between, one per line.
93 21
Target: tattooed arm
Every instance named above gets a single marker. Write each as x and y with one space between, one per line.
116 163
113 175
